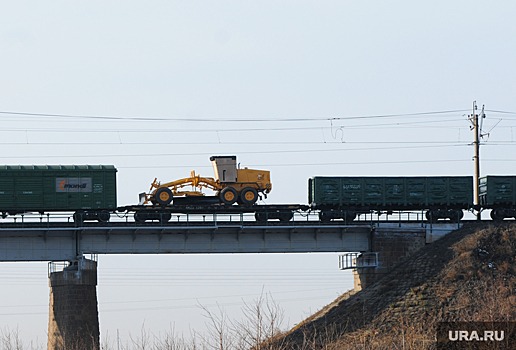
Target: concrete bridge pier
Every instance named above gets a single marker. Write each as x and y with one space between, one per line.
390 245
73 322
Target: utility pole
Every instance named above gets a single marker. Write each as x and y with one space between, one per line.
473 118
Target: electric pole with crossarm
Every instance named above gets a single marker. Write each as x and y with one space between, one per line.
477 129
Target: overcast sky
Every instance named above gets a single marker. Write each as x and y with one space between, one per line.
302 88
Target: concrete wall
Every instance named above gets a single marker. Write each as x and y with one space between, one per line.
73 315
392 246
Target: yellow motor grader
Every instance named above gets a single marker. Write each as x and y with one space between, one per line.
231 185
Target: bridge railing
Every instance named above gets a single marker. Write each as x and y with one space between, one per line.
358 260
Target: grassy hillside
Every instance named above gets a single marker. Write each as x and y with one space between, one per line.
469 275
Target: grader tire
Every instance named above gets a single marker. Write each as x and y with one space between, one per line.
163 196
228 195
248 196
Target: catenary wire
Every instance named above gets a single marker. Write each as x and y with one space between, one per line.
214 119
211 130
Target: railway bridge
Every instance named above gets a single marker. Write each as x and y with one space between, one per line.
73 313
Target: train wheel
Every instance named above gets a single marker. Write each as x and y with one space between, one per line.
163 196
78 217
431 216
286 216
260 217
228 195
103 216
455 215
497 215
139 217
349 216
248 196
165 217
324 216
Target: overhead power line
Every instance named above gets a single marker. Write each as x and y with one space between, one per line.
216 119
286 165
233 143
410 124
276 151
502 112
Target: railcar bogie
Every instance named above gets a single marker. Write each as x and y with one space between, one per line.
141 216
91 215
453 215
281 215
499 214
346 215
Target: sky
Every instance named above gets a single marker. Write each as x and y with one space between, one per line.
302 88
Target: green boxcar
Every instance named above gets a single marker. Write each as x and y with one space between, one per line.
498 191
391 193
26 188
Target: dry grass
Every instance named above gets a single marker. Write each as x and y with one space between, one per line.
477 282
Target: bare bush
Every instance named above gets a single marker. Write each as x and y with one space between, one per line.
10 339
219 335
262 320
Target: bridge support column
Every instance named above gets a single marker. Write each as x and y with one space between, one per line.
73 321
392 247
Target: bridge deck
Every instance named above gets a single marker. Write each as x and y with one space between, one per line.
57 241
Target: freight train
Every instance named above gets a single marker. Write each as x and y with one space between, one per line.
89 192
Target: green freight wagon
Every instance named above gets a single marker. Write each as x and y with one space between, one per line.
499 194
345 197
87 190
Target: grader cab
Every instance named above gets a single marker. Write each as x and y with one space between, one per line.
230 184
